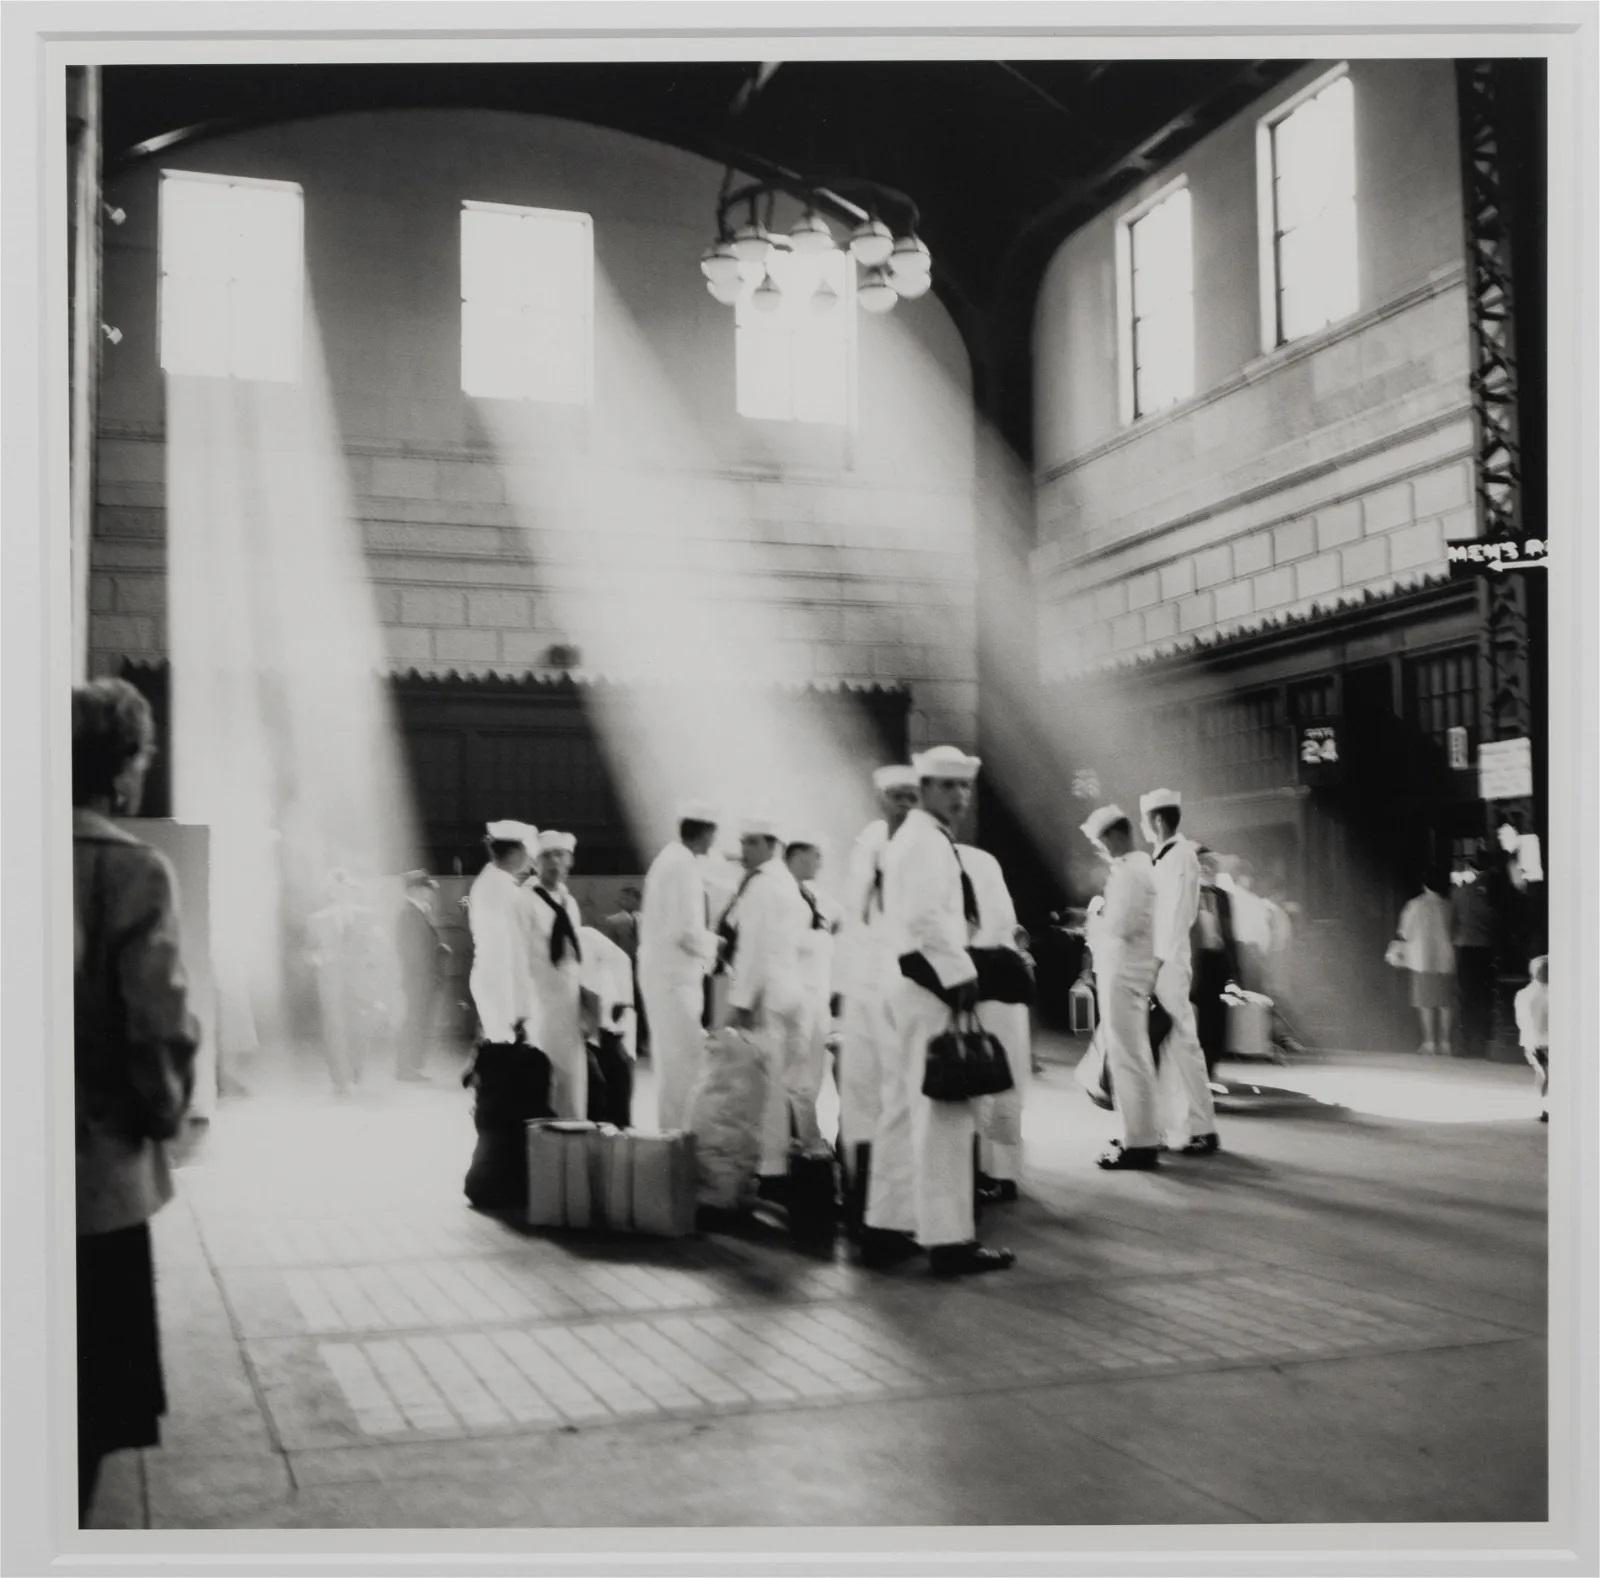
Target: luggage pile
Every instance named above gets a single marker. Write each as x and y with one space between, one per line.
590 1175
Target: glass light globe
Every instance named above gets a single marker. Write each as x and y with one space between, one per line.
909 287
767 297
811 233
727 291
720 262
909 260
824 299
751 243
875 293
871 243
750 273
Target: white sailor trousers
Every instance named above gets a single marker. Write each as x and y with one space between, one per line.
673 1004
1010 1022
1185 1087
791 1090
866 1043
1125 1005
921 1177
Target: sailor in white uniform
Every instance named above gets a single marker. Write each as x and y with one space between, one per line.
555 959
677 949
806 1060
864 971
760 932
1185 1087
930 908
500 982
1121 940
1000 1161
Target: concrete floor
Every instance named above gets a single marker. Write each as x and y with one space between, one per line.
1339 1318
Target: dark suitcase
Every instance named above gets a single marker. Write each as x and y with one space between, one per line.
813 1195
610 1082
511 1086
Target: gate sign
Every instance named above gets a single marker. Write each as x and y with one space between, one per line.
1480 556
1505 769
1319 752
1460 750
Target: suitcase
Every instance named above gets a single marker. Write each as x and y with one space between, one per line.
1083 1017
511 1086
563 1160
813 1194
1249 1025
648 1183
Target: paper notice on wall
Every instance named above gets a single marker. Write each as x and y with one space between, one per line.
1505 769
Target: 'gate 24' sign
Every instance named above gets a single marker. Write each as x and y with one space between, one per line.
1319 752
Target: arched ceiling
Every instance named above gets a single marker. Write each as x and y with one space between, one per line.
1000 156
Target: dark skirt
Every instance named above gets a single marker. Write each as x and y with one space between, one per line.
121 1392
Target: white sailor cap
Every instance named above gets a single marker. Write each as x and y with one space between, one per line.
698 811
1160 800
946 761
509 832
565 843
1096 823
758 827
897 777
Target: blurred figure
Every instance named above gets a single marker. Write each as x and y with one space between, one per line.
134 1043
1191 1120
921 1187
610 1029
422 954
342 952
807 1062
1216 961
500 983
865 970
1000 1158
758 968
622 928
677 949
556 964
1252 926
1424 932
1533 1028
1122 942
1472 931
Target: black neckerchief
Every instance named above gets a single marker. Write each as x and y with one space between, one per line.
1170 844
727 931
969 894
562 933
817 922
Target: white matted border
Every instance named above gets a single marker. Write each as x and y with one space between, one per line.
35 640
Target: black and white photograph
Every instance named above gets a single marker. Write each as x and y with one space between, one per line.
697 679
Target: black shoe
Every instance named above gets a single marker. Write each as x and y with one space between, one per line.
1129 1158
997 1191
967 1260
1544 1117
881 1247
1201 1145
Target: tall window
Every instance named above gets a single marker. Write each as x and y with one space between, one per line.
1308 199
796 363
232 277
1156 266
527 304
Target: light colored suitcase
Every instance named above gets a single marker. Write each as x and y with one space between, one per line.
648 1183
1249 1025
564 1174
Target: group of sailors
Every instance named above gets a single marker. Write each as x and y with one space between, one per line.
871 979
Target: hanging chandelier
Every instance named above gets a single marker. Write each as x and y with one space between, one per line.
752 257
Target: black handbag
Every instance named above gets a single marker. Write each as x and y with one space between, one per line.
965 1061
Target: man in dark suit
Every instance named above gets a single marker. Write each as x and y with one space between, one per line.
1216 962
422 955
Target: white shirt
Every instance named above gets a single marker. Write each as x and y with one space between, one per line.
817 944
674 937
500 980
1251 925
863 957
1426 924
770 918
997 914
1122 935
1532 1005
554 987
922 898
1177 877
608 972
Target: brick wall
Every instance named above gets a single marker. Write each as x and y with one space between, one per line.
1294 479
833 556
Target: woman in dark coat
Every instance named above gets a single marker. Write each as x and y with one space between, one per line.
133 1053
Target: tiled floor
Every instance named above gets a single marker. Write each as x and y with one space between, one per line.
349 1345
